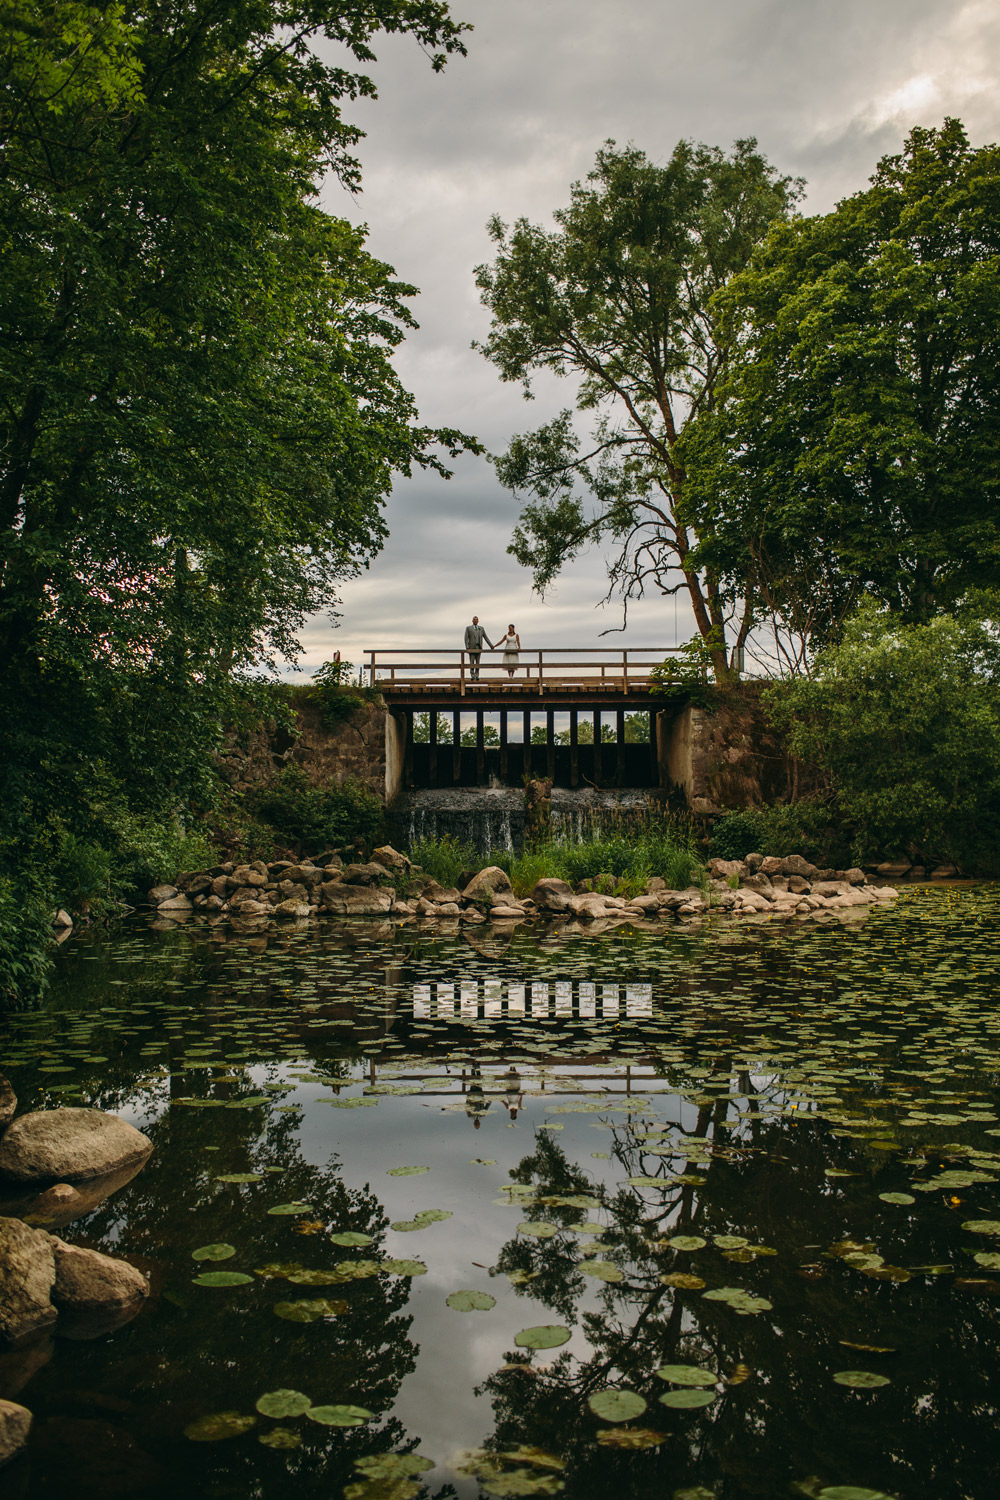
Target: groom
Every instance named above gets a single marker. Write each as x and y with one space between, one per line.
475 635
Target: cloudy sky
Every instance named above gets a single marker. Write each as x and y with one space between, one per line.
827 86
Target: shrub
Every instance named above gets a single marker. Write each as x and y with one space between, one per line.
25 941
445 859
314 817
808 827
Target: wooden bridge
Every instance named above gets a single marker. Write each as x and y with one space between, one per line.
607 686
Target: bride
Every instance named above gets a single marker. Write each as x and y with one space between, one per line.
511 645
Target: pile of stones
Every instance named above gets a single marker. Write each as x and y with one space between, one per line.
388 885
55 1165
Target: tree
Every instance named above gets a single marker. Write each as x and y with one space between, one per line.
620 296
855 447
199 415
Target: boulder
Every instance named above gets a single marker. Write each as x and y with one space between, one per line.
748 900
771 865
884 892
62 921
427 908
8 1103
491 882
93 1293
54 1206
246 895
293 890
302 874
753 862
291 908
247 909
722 869
756 882
799 884
500 912
366 874
794 864
554 895
449 909
431 891
161 893
27 1276
357 900
174 906
214 903
402 909
391 859
589 907
854 876
69 1145
15 1422
246 875
645 906
655 883
472 915
830 887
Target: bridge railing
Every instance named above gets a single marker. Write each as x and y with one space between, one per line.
595 667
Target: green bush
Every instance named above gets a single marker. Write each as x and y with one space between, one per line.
807 827
26 944
316 818
445 859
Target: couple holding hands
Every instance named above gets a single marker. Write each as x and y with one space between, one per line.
475 635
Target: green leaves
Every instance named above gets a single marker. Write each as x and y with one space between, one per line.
471 1301
542 1336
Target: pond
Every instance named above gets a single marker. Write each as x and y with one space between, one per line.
709 1213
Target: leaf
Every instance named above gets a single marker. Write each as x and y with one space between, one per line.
685 1399
280 1437
471 1301
542 1336
392 1465
687 1242
982 1226
284 1209
538 1229
240 1177
339 1416
851 1492
683 1280
406 1171
221 1278
616 1405
988 1258
218 1425
350 1237
282 1403
686 1375
601 1270
404 1267
861 1380
309 1310
897 1198
630 1438
213 1252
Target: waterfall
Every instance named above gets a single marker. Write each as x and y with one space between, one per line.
493 818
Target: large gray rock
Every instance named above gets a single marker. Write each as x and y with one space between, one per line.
93 1293
391 859
8 1103
371 873
27 1275
794 864
489 883
69 1145
554 895
174 906
724 869
357 900
15 1422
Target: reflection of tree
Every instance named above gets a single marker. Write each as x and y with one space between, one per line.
208 1349
779 1417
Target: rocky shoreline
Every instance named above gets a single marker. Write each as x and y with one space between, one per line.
254 895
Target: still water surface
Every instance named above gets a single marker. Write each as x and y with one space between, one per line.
740 1184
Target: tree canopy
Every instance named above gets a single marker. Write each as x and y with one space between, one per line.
621 297
855 447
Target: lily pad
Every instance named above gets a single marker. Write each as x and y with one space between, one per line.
404 1267
287 1209
687 1242
687 1399
616 1405
240 1177
632 1439
542 1336
683 1280
601 1270
340 1416
350 1237
861 1380
982 1226
851 1492
686 1375
221 1278
283 1403
309 1309
213 1252
539 1229
218 1425
471 1301
406 1171
392 1465
897 1198
988 1258
280 1437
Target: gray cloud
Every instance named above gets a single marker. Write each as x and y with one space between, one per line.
826 88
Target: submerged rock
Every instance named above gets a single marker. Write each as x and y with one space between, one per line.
94 1293
69 1145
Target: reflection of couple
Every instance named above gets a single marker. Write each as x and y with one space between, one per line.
476 1102
475 635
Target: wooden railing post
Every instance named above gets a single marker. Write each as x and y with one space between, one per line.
371 669
541 688
625 671
461 677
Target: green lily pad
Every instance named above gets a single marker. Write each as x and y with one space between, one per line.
539 1229
685 1399
471 1301
407 1171
280 1437
303 1277
851 1492
218 1425
287 1209
309 1309
631 1439
860 1380
687 1242
897 1198
686 1375
542 1336
350 1237
340 1416
601 1270
213 1252
240 1177
282 1404
392 1465
221 1278
982 1226
988 1258
616 1405
730 1241
404 1267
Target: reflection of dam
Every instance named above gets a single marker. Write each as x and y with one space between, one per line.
536 1000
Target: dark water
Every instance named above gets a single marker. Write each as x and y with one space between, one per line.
801 1118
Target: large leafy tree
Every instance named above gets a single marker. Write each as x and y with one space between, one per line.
856 450
199 415
621 297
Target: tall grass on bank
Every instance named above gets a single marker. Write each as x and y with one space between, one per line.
658 848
